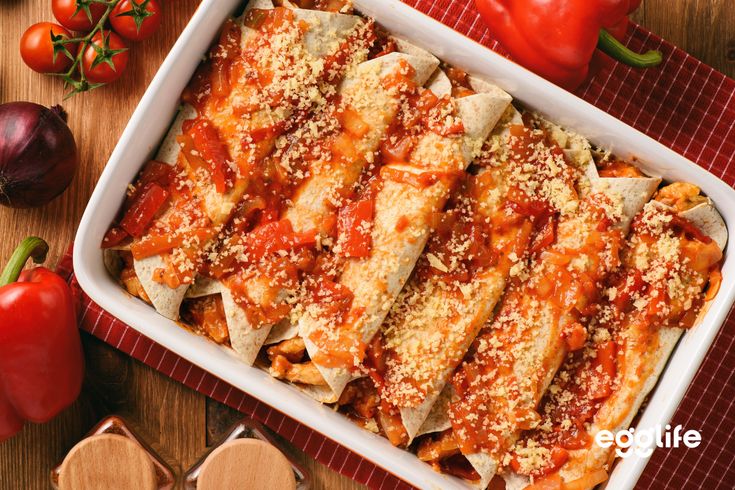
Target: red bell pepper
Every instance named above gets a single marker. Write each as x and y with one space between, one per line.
146 206
41 360
277 236
213 150
557 40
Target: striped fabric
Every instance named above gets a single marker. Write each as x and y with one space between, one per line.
685 105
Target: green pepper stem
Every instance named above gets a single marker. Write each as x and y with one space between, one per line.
616 50
32 247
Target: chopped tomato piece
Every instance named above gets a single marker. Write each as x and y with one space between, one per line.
546 234
305 238
147 204
402 224
277 236
157 172
575 336
245 215
199 87
114 236
519 202
333 298
401 79
353 225
208 143
192 155
398 151
270 237
268 215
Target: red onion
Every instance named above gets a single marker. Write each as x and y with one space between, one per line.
38 156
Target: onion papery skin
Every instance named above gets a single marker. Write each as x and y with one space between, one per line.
38 155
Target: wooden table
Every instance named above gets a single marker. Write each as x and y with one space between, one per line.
181 421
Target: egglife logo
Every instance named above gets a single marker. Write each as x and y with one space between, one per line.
643 442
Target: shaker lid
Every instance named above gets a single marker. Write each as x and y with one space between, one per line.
107 461
246 463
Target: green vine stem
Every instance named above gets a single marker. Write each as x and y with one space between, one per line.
81 85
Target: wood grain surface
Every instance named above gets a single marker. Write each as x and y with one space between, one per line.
260 466
176 419
108 461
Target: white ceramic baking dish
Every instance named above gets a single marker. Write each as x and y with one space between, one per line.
155 112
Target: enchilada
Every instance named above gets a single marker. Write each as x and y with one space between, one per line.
420 168
670 267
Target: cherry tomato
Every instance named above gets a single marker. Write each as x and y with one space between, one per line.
37 48
105 58
77 15
136 20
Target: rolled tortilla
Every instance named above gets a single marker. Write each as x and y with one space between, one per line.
656 254
300 81
526 343
309 210
635 191
375 281
311 205
434 320
706 218
165 300
438 418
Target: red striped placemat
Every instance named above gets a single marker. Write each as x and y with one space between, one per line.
685 105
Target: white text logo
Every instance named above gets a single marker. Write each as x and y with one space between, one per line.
642 442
